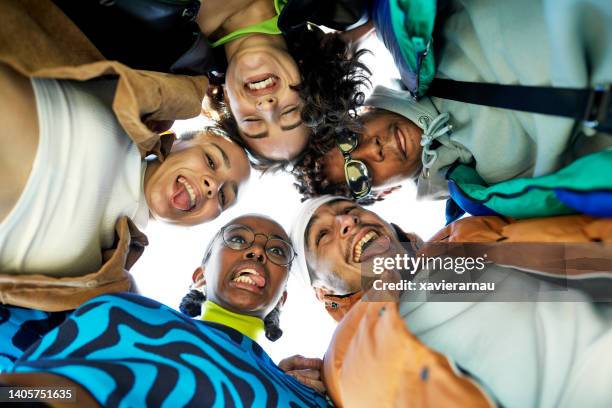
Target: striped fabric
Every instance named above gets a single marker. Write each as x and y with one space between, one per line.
20 328
129 350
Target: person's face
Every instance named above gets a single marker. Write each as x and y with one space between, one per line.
265 107
247 281
389 145
342 238
198 180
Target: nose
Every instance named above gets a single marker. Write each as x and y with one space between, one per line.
346 223
266 103
210 186
371 151
256 252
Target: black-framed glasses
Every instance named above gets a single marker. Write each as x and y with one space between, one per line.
356 172
239 237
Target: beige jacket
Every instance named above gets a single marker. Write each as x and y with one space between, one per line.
37 39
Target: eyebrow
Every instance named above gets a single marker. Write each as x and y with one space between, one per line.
308 228
224 155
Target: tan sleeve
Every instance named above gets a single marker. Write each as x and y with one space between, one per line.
37 39
53 294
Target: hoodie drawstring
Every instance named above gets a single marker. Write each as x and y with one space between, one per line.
438 127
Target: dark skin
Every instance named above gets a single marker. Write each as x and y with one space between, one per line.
217 274
224 264
389 145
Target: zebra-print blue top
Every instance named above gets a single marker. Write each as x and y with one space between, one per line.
131 351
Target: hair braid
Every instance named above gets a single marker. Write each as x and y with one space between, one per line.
272 323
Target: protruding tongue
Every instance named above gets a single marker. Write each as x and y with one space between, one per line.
181 199
259 280
379 246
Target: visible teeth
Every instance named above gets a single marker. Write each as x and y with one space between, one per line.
261 84
370 236
190 190
245 279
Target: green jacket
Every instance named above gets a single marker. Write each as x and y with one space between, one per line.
565 43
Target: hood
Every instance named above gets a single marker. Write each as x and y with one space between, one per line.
420 112
431 183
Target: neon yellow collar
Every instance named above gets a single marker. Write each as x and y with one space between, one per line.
269 26
250 326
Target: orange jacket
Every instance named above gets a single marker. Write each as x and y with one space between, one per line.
374 360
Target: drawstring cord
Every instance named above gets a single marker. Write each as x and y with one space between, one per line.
438 127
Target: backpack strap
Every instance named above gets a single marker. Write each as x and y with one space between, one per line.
591 106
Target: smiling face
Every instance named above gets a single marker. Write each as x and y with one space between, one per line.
258 90
389 145
342 239
246 280
199 179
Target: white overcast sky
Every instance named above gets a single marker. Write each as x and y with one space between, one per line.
164 271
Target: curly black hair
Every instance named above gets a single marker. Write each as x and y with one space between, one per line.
330 90
309 172
311 182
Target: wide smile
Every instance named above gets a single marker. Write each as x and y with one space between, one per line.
400 139
262 84
251 277
186 195
367 244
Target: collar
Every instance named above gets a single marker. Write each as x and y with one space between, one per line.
339 306
269 26
250 326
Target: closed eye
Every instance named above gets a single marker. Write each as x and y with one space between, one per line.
293 109
320 236
347 210
222 198
209 160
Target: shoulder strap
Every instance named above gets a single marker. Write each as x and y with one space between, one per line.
593 106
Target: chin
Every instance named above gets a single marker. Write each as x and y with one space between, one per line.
245 303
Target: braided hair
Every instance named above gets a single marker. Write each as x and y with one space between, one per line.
191 303
330 90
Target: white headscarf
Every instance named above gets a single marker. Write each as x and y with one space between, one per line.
298 229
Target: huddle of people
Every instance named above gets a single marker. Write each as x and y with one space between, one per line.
90 91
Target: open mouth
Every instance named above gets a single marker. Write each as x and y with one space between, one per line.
369 245
185 195
249 278
400 139
261 84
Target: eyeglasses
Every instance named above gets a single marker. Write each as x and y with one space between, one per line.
356 172
239 237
